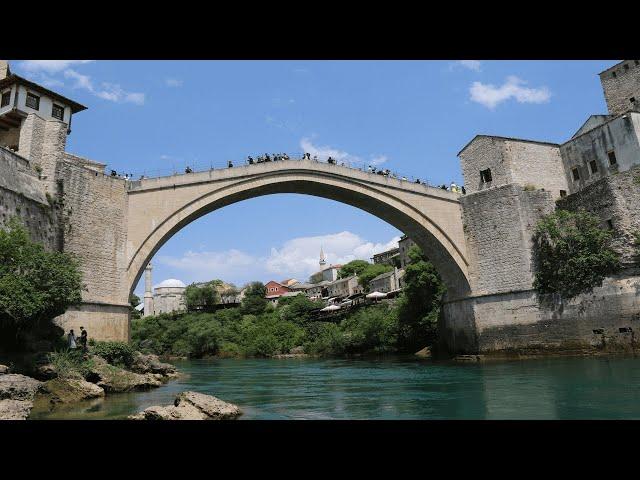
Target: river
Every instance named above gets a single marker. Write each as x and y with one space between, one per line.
394 388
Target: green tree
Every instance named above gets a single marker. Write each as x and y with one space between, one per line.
297 309
254 302
134 301
372 271
354 267
420 302
35 286
202 298
572 253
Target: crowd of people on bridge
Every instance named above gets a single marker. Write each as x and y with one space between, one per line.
277 157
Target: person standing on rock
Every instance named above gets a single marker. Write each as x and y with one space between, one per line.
83 339
71 338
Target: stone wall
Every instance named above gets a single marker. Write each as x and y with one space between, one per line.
620 135
619 89
22 196
512 161
43 142
608 317
95 225
499 225
615 199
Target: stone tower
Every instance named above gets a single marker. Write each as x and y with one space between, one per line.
35 122
323 261
621 86
148 291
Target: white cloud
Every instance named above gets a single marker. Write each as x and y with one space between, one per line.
201 266
108 91
50 66
81 81
379 160
324 151
296 258
173 82
469 64
491 96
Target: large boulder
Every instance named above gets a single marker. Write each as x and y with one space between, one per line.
18 387
212 407
15 409
16 396
4 369
114 379
150 363
66 390
424 353
191 406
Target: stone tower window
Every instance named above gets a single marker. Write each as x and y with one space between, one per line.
33 101
612 157
626 66
6 96
632 99
563 193
57 112
485 176
636 62
593 166
614 75
610 224
576 174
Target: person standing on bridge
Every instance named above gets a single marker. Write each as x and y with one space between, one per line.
229 164
250 160
188 170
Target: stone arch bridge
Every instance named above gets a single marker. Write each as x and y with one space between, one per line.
148 212
430 216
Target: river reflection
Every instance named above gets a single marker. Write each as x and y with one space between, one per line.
393 388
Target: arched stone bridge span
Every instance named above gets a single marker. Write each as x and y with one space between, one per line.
160 207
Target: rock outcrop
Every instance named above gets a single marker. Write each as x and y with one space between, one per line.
424 353
16 396
66 390
150 363
191 406
15 409
4 369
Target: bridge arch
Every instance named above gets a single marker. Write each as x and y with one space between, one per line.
160 207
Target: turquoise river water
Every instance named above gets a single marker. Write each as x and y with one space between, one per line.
392 388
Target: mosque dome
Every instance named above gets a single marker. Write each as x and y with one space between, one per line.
171 282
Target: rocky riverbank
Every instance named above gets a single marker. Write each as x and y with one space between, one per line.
92 378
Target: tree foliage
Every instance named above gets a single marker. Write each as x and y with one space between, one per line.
364 270
201 298
354 267
254 302
572 253
371 272
35 285
420 302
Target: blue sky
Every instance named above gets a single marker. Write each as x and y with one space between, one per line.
151 117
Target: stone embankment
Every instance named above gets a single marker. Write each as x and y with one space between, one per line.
191 406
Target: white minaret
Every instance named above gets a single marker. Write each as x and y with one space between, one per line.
148 291
323 261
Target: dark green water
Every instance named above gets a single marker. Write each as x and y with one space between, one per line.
566 388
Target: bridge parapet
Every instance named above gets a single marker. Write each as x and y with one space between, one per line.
244 171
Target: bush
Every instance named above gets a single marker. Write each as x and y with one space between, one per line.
116 353
572 253
70 363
